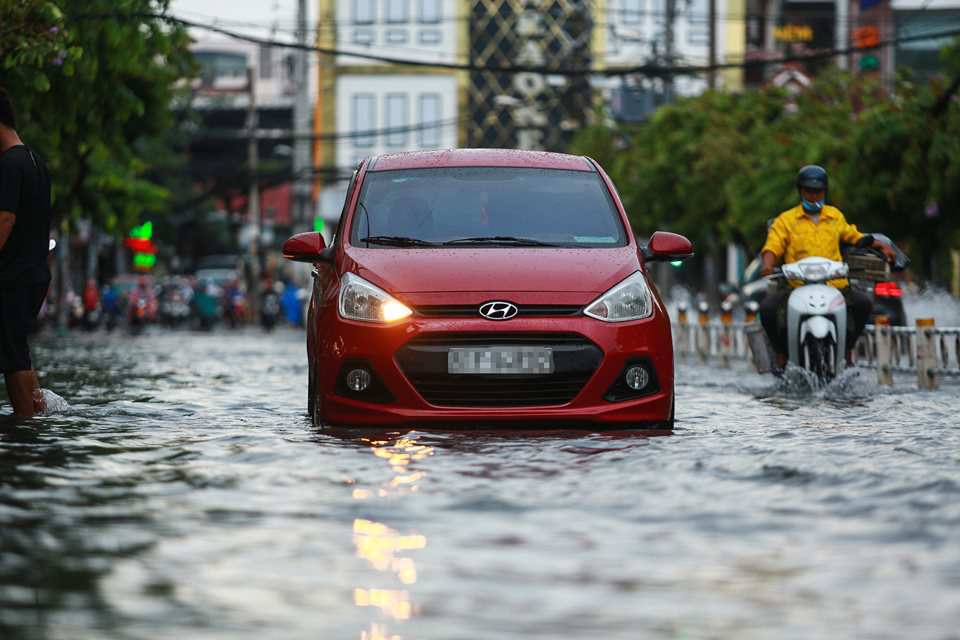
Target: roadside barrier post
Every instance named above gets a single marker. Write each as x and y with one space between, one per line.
881 326
682 339
926 354
726 335
750 318
703 334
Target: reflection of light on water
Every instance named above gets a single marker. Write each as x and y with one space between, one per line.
395 604
380 545
377 632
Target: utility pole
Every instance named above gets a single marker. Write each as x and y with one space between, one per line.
303 179
842 31
253 193
668 45
253 157
712 17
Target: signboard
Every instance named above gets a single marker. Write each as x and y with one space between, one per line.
793 33
140 241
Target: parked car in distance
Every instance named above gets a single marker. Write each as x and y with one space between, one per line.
221 269
487 288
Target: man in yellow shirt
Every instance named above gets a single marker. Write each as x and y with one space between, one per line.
812 228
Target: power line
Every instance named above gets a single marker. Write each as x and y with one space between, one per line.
648 69
694 18
287 134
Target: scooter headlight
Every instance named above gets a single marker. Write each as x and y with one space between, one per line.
631 299
814 272
361 300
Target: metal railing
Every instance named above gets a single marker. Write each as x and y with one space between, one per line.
930 352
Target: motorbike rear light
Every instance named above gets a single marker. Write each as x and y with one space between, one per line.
887 290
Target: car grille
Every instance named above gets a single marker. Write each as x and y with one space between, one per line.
424 361
473 310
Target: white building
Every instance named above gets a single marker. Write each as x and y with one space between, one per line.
368 107
223 73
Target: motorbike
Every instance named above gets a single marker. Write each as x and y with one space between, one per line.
816 321
816 317
269 309
139 315
235 310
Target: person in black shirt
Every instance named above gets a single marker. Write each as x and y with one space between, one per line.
24 273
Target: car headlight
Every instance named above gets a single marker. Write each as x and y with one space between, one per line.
360 300
629 300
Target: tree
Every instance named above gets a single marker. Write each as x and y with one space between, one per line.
89 108
716 167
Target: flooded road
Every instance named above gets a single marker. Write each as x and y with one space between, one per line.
182 493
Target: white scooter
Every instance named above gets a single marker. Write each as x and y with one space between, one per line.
816 318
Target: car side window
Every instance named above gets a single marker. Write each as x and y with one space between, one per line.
346 203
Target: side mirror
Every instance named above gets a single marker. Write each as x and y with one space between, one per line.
307 247
666 247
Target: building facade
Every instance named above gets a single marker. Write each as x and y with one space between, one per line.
368 107
219 151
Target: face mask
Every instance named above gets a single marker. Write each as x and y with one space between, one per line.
813 207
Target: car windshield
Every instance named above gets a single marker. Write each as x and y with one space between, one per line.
485 207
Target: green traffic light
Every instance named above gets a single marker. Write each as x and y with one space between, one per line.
676 263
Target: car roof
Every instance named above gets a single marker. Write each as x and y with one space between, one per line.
479 158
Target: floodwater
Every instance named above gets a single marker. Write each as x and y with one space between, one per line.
180 492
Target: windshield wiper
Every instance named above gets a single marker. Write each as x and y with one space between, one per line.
398 241
511 241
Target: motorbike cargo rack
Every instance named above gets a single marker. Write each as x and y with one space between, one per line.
868 266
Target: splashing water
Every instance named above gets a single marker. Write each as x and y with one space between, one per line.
798 382
932 302
55 404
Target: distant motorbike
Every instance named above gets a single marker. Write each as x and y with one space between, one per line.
174 310
269 309
91 318
235 310
139 315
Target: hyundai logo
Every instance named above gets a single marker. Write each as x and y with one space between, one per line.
498 310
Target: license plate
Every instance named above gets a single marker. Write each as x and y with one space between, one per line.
501 360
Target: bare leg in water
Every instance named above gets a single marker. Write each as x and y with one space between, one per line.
26 397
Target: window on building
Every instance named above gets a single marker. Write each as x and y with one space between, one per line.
396 36
216 64
364 119
396 11
923 56
632 11
396 113
698 11
430 36
430 11
363 36
698 36
429 117
364 11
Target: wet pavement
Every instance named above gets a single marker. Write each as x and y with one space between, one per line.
182 493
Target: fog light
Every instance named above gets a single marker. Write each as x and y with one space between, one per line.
358 380
637 378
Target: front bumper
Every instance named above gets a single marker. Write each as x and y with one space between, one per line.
408 401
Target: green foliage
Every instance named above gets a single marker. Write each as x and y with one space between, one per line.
717 166
88 92
31 35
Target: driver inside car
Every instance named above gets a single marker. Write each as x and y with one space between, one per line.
812 228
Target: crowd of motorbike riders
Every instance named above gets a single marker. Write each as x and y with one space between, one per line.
180 302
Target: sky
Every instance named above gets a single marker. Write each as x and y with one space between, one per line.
248 16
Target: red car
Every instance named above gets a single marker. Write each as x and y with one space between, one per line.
478 287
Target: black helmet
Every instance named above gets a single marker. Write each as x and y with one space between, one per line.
812 177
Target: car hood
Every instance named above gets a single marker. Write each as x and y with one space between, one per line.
491 270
